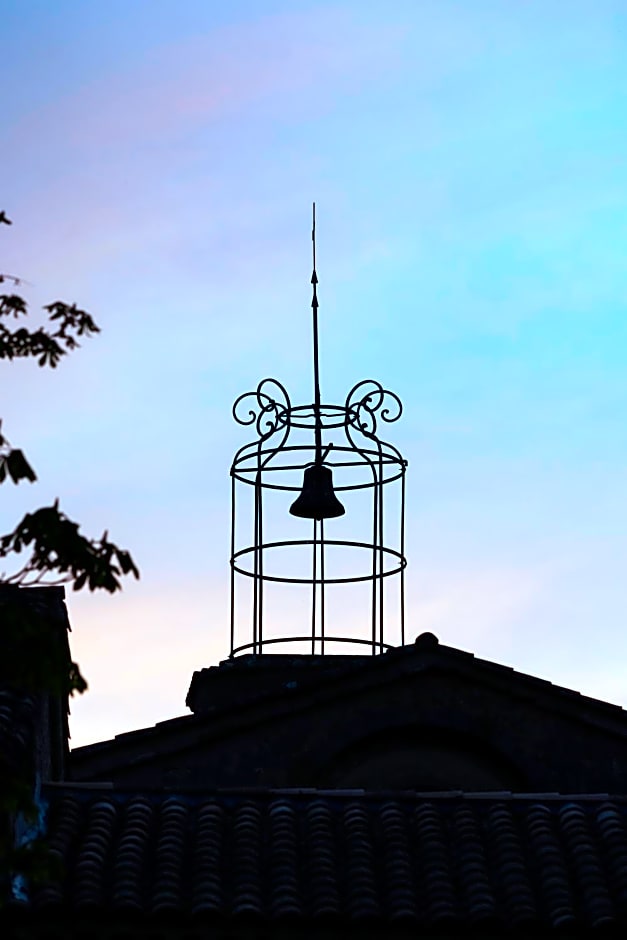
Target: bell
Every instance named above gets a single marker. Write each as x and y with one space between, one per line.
317 499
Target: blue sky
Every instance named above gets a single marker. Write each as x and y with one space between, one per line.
469 164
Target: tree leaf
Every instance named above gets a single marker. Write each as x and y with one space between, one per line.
19 467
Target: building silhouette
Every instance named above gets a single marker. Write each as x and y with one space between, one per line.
421 792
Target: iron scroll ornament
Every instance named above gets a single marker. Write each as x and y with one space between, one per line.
361 410
271 412
267 414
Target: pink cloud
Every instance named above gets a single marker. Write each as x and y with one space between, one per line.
123 161
281 63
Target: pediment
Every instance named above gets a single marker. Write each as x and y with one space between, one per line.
420 717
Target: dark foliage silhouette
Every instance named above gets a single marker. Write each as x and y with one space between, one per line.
44 548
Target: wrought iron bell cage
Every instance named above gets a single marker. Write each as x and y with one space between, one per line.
337 451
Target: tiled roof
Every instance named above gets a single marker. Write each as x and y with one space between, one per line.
340 857
33 723
17 718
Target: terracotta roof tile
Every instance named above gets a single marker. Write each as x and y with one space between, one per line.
359 860
246 868
436 894
283 861
134 824
470 865
508 862
207 854
397 869
320 861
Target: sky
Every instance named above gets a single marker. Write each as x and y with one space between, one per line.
468 160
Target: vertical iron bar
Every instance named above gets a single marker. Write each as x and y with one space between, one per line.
403 557
255 563
314 307
232 562
322 586
260 566
375 516
381 559
313 590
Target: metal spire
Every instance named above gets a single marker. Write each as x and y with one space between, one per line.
314 306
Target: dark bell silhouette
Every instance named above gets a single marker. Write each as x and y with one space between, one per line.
317 499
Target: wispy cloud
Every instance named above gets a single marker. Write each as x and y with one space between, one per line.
274 67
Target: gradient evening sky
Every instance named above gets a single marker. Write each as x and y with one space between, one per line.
469 164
